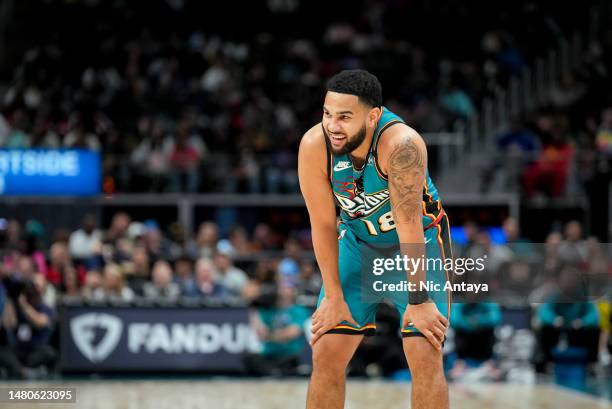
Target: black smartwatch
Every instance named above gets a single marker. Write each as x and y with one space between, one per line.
418 297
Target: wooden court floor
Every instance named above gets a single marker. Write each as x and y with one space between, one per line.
289 394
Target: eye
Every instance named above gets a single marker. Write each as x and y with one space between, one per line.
345 118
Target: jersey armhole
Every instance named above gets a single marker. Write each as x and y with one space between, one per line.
380 133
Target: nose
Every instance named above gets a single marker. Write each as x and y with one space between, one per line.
333 127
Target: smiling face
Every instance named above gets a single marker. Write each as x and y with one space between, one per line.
347 121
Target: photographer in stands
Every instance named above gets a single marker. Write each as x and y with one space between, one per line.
28 324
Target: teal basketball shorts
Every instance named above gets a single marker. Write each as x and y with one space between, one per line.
361 288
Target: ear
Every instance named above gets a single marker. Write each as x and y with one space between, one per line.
373 116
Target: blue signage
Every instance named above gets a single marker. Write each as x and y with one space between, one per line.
47 172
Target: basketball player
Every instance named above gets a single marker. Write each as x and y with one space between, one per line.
375 166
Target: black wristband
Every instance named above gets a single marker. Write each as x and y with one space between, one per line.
418 297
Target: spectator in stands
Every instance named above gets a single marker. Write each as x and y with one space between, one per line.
59 259
43 135
205 244
310 280
94 286
82 241
262 289
230 276
519 246
517 148
71 284
282 176
238 244
495 254
18 135
289 266
552 259
82 139
573 249
548 174
569 315
138 271
162 288
49 294
185 158
184 275
13 234
470 230
113 288
119 227
519 139
151 156
515 281
281 331
264 238
159 246
207 283
122 251
474 323
458 102
25 268
546 282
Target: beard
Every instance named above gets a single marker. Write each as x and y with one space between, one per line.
352 142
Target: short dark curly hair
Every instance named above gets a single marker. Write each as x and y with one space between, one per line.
357 82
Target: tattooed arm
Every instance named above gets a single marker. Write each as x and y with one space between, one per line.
403 156
406 166
406 172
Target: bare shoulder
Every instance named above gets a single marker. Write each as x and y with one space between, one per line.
401 140
312 145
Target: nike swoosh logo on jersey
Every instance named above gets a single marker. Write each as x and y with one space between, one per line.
342 165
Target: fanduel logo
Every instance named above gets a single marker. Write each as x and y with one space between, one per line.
155 337
191 338
83 328
363 204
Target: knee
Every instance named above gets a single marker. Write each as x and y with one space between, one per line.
326 362
425 363
429 376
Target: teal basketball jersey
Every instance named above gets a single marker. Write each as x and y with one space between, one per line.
363 193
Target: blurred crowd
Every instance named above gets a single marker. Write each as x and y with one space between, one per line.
175 107
561 288
138 263
563 148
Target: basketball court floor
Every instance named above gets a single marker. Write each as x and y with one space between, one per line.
289 394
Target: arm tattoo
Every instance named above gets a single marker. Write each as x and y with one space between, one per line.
406 178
